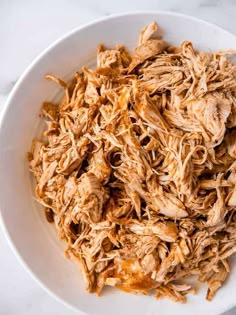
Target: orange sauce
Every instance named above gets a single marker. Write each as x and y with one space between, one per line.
132 277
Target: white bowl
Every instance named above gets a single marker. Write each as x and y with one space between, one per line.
33 240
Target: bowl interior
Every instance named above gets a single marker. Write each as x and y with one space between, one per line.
33 239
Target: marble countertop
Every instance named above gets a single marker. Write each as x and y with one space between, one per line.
26 28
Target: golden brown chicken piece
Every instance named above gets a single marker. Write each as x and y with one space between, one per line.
137 168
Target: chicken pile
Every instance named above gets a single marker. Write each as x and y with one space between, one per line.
137 168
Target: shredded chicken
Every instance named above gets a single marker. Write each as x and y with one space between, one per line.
137 168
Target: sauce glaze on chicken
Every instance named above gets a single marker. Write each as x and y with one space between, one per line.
137 167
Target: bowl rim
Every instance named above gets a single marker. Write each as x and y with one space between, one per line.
17 86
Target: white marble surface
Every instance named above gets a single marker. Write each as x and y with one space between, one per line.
26 28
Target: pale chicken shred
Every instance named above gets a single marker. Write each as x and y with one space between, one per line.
137 168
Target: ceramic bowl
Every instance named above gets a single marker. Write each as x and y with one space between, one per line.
33 240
